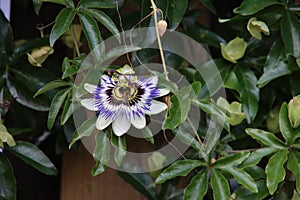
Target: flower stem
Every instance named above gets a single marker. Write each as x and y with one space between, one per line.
158 40
195 132
75 42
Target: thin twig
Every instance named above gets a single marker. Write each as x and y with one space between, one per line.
155 9
166 138
195 132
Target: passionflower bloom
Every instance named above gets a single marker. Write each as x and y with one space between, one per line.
123 98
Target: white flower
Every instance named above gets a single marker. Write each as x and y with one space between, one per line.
124 98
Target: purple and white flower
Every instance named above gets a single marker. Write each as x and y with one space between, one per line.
124 98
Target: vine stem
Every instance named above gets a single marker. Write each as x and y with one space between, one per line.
159 41
195 132
75 42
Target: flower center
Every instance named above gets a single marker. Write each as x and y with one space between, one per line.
124 92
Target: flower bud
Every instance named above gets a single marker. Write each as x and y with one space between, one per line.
294 111
38 56
162 27
234 50
256 27
5 137
236 116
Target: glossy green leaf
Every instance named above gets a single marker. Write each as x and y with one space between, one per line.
147 133
265 138
105 20
68 110
231 160
92 34
256 156
208 4
244 194
198 186
33 156
102 148
242 177
275 66
119 144
95 4
294 166
205 36
219 185
99 168
24 81
178 168
62 23
275 170
38 3
8 188
249 91
290 27
50 86
142 182
84 130
249 7
6 40
119 51
284 124
178 112
55 106
175 12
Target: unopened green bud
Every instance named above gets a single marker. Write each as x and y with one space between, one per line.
234 50
294 111
256 27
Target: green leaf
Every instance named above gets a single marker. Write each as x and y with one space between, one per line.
249 91
105 20
265 138
24 81
242 177
147 133
95 4
284 124
197 187
62 23
8 183
119 51
275 170
119 144
275 65
175 12
102 149
290 27
92 34
99 168
38 3
178 112
142 182
208 4
294 166
50 86
219 185
256 156
55 106
244 194
231 160
249 7
68 110
84 130
6 40
178 168
33 156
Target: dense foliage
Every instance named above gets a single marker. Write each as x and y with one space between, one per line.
255 46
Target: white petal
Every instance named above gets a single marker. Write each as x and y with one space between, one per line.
120 125
163 92
90 88
138 122
102 122
89 104
153 80
156 107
